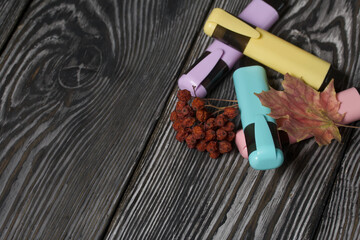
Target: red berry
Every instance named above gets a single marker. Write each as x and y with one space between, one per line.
202 115
212 146
180 105
214 155
231 112
192 112
185 111
182 134
224 147
221 134
188 122
198 104
184 95
191 146
177 125
229 126
173 116
210 135
190 140
180 137
198 132
201 146
230 136
220 120
210 123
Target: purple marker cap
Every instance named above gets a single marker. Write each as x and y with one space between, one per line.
219 58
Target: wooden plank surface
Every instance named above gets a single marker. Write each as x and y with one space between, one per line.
341 219
10 14
82 85
177 193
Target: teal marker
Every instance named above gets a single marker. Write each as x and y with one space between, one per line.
260 130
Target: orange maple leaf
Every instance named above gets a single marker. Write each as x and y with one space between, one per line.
302 111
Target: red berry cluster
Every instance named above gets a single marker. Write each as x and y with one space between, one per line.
195 125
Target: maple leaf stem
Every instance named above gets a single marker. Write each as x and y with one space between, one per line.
223 100
347 126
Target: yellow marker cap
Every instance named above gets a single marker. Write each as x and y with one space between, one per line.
220 17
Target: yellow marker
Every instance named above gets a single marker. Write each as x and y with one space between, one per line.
269 49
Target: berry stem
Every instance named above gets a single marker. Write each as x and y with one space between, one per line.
216 112
215 99
213 106
234 105
220 108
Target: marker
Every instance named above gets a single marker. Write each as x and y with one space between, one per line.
219 58
259 128
349 99
269 49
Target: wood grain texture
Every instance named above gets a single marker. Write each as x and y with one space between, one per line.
178 193
82 85
10 12
342 217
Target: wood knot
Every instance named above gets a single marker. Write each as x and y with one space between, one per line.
80 68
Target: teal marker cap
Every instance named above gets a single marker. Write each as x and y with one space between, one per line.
260 130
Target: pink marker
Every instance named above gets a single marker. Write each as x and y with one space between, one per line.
219 58
350 105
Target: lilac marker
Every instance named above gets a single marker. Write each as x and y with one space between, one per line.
219 58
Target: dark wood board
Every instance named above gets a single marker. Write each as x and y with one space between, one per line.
82 85
10 14
178 193
341 219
